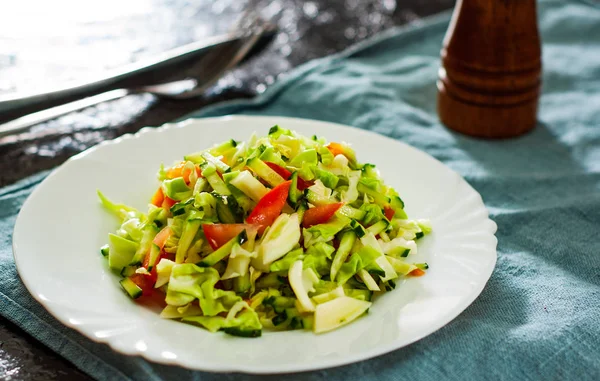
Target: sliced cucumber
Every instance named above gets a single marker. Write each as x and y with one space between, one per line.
219 165
128 271
265 172
243 332
104 250
368 280
132 289
154 254
209 171
378 227
294 194
358 229
377 197
351 212
250 186
241 284
228 210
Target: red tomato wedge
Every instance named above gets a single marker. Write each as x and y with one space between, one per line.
279 169
389 213
269 207
302 184
320 214
162 237
158 197
145 282
219 234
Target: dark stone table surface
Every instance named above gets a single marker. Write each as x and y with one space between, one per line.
60 40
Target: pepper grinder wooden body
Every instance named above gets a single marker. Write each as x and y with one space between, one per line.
489 82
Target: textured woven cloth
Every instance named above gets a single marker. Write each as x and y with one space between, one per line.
538 317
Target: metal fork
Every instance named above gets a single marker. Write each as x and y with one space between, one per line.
211 67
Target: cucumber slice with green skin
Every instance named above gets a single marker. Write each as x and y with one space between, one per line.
422 266
227 177
397 205
132 289
228 210
279 303
377 197
224 148
209 171
346 244
419 235
317 199
369 170
294 194
243 201
195 158
301 208
104 250
378 227
368 280
280 318
270 155
154 254
179 208
400 267
128 271
120 251
219 165
242 284
250 186
222 252
265 172
358 229
355 214
243 332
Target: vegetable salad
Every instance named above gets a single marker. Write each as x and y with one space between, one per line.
279 232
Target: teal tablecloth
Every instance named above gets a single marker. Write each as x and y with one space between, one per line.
539 316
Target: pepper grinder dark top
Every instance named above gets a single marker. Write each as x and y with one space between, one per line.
489 81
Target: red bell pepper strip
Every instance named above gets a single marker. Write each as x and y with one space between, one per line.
320 214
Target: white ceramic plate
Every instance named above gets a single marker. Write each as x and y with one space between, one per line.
62 226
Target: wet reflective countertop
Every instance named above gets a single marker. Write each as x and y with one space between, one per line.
80 39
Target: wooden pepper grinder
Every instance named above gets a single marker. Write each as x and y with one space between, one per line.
489 82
